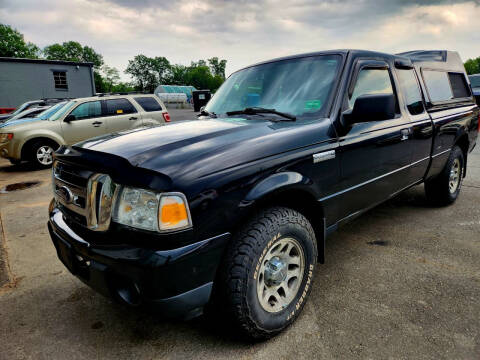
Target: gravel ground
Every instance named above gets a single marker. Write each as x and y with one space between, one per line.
401 281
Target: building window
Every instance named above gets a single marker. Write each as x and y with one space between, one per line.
60 78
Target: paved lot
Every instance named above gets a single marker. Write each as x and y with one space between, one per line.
413 295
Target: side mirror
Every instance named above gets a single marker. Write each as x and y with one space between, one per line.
69 118
202 109
373 107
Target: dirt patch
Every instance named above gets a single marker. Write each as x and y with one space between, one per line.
19 186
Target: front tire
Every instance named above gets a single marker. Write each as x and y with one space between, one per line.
445 188
41 153
268 272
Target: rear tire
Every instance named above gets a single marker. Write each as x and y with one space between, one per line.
445 188
267 273
41 153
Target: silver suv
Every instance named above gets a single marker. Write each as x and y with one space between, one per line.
35 139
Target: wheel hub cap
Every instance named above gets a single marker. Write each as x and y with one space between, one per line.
280 275
275 271
455 174
45 155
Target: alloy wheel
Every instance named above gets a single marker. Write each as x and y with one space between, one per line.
280 275
45 155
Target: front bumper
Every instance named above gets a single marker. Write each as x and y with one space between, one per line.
173 283
9 150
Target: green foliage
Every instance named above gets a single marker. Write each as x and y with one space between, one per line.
148 73
111 77
472 66
12 44
100 86
122 87
73 51
217 67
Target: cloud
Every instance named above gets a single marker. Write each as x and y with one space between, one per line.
246 31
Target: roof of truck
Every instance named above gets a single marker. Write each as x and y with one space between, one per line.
442 59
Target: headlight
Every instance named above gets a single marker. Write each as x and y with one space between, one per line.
4 138
147 210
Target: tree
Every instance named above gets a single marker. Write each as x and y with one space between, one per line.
111 77
177 74
12 44
73 51
472 66
199 77
163 69
148 73
143 70
123 87
217 67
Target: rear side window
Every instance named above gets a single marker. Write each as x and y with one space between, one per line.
443 86
87 110
119 107
148 103
371 81
438 85
459 85
413 96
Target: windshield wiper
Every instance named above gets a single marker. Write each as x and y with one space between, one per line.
207 113
260 110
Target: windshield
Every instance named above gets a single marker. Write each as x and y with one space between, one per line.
59 112
20 115
44 115
20 109
475 81
300 87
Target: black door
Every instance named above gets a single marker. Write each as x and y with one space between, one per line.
421 123
375 156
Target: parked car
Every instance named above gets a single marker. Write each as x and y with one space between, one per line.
29 113
475 82
29 105
233 210
35 139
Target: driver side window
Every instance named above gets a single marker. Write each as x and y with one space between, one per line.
87 110
371 81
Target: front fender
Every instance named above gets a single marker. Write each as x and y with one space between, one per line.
39 134
275 182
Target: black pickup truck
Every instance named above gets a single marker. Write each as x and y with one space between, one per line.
234 208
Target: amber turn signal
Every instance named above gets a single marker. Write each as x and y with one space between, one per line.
173 214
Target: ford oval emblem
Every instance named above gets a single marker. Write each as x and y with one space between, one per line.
66 194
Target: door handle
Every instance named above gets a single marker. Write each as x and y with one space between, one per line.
132 118
405 134
97 123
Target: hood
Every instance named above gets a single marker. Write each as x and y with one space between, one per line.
192 149
18 122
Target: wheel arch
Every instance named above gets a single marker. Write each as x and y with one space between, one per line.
292 190
463 143
28 144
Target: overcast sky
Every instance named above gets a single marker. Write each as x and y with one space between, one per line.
244 31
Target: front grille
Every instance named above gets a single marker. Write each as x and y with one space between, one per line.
80 192
70 188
